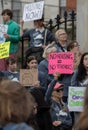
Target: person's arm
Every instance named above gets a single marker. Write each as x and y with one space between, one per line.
51 86
15 37
74 81
50 37
49 91
43 80
22 33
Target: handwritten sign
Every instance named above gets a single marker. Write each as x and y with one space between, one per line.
75 98
4 50
3 30
33 11
61 62
28 77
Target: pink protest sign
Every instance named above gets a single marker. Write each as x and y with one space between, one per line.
61 62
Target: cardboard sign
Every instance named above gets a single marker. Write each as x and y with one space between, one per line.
3 30
4 50
28 77
33 11
61 62
76 98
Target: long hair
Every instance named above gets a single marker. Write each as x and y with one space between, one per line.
16 103
81 69
71 45
29 59
82 123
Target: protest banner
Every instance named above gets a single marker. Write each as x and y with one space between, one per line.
76 98
33 11
28 77
4 50
61 62
3 30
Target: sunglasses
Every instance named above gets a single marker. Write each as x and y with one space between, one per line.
58 90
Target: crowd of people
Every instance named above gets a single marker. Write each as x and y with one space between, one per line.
44 105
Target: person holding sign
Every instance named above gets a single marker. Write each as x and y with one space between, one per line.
31 63
43 65
61 118
12 35
39 37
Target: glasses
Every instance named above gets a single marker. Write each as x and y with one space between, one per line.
76 45
58 90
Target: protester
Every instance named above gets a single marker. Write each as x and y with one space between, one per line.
82 122
13 35
32 63
11 72
61 38
61 118
43 65
73 46
39 37
80 77
16 106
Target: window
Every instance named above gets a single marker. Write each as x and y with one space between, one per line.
16 15
62 7
62 3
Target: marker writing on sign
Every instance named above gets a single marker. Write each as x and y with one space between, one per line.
61 56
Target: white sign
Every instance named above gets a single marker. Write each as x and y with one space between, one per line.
3 30
76 98
33 11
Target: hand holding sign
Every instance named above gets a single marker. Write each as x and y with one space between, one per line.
56 75
21 23
36 84
6 36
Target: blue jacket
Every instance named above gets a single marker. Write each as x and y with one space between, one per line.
43 80
21 126
60 48
11 75
36 38
56 108
67 82
43 67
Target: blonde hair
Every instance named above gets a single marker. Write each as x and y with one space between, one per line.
16 103
49 49
58 33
